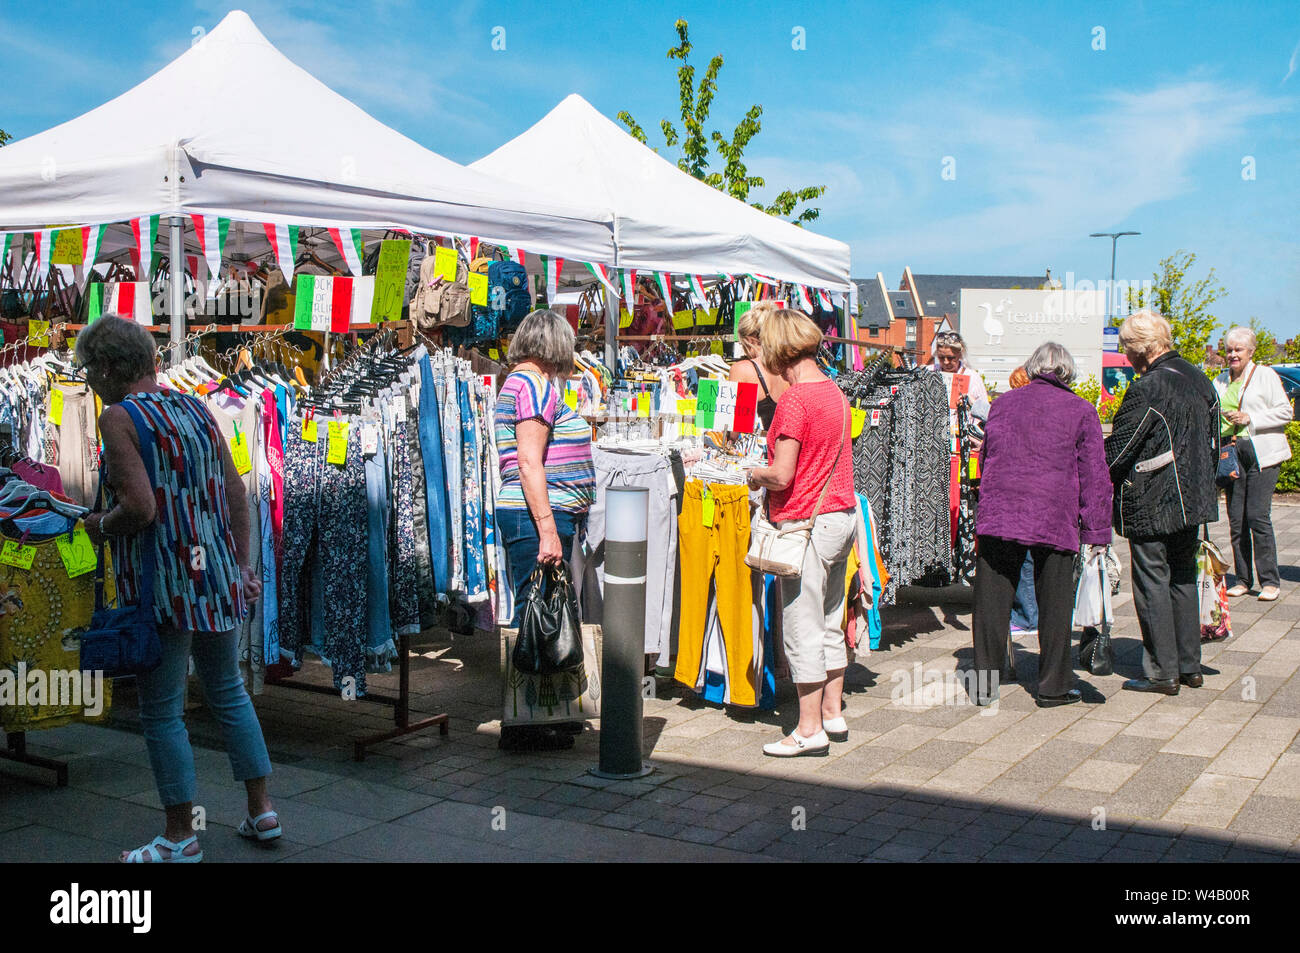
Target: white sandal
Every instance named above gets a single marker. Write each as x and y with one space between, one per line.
177 855
248 827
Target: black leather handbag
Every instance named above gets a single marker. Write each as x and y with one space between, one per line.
550 634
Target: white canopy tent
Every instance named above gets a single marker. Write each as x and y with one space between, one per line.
233 128
665 219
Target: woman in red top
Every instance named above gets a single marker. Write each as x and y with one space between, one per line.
810 470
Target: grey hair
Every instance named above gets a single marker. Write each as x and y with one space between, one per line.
1146 332
121 350
545 336
1051 358
1242 332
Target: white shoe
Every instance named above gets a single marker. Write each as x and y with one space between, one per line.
837 729
818 744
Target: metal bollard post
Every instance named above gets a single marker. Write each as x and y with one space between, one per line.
626 518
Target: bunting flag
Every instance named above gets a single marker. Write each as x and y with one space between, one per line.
473 248
129 299
145 230
516 254
629 288
44 248
552 265
697 287
284 243
5 241
805 302
665 281
92 236
352 249
746 415
824 297
602 274
211 231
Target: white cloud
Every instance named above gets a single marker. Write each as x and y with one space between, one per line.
1291 67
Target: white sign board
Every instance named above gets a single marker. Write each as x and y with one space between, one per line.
1003 327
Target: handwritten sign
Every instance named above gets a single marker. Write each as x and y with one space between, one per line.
683 319
78 554
478 288
12 554
337 451
724 415
56 407
390 280
67 248
239 454
39 333
445 261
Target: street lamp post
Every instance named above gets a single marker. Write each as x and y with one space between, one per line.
1110 290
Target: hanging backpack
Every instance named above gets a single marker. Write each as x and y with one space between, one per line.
508 294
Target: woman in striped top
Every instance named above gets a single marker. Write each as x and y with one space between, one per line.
179 481
548 481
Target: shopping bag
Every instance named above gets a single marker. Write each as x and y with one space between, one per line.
1092 598
550 699
1212 589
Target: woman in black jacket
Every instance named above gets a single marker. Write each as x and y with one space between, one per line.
1162 453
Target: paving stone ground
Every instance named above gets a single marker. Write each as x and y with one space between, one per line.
1209 775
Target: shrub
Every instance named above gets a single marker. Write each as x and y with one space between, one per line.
1288 478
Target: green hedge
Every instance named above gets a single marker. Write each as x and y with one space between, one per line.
1289 477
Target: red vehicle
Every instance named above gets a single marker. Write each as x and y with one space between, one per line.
1116 372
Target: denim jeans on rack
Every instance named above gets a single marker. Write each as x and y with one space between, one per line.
451 437
435 478
471 497
379 647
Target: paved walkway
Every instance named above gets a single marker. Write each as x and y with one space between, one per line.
1211 774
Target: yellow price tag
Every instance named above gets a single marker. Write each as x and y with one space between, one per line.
571 398
56 407
38 333
478 289
859 420
974 468
686 408
643 402
78 554
239 453
338 445
683 320
14 555
444 262
624 318
708 507
309 429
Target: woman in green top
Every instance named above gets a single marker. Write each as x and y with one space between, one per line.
1255 411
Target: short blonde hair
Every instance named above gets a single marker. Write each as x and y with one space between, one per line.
788 337
750 324
1146 332
545 336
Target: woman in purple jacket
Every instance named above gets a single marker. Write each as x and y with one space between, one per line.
1045 490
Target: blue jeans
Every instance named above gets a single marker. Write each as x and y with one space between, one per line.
519 536
452 464
1024 609
471 497
162 704
379 623
435 477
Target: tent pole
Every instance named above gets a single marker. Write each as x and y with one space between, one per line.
177 283
611 328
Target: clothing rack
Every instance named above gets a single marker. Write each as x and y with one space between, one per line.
15 749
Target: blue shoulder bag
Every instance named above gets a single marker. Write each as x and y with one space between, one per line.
125 641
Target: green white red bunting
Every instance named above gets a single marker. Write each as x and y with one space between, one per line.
473 248
284 243
517 254
211 231
805 302
697 287
552 265
629 288
351 247
92 236
825 300
145 230
602 273
5 242
44 247
665 281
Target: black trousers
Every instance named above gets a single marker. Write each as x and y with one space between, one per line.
1165 596
997 574
1250 499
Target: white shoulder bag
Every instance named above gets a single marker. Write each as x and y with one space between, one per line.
781 551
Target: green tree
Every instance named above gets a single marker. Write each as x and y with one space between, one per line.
734 179
1184 303
1267 347
4 137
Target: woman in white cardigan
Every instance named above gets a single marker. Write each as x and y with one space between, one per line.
1255 411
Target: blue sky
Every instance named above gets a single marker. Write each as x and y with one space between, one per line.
1050 138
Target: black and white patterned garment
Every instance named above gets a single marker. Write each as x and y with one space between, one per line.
325 533
403 597
968 498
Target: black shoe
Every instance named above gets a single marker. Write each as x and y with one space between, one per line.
1163 686
984 701
1192 681
534 738
1054 701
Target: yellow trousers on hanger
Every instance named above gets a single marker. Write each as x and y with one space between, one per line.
716 553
